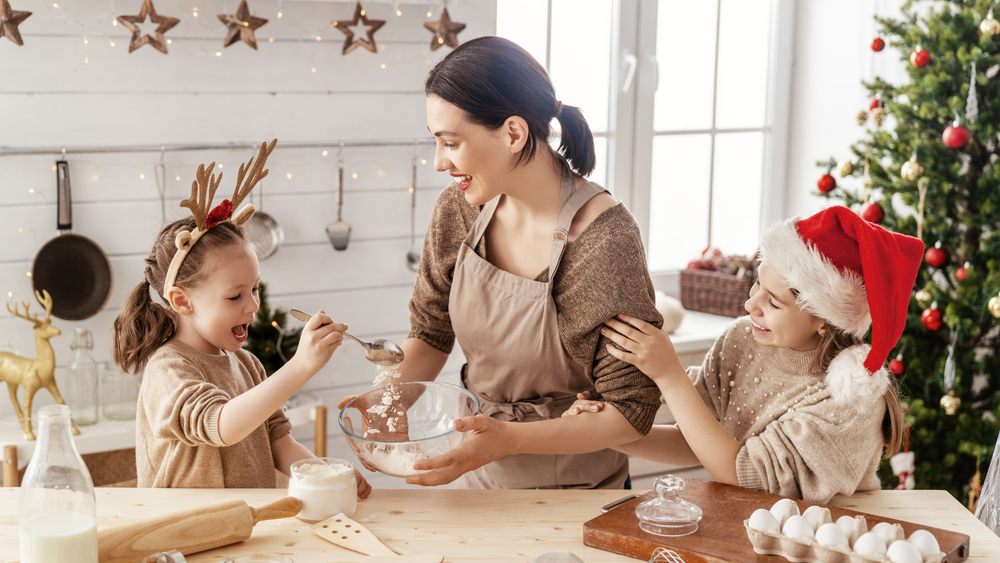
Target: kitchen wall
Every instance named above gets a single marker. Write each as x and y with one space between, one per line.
74 84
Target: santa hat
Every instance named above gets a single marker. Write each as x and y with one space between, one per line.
855 275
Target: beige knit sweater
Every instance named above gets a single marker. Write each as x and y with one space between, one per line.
602 273
796 442
177 422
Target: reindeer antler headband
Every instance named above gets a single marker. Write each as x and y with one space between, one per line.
200 202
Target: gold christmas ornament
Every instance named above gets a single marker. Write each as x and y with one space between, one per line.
878 116
844 168
157 42
911 169
33 373
241 26
350 43
994 306
923 297
445 31
9 20
989 26
950 403
862 117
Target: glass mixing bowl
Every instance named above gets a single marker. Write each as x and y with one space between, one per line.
392 427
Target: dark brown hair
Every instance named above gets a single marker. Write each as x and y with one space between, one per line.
492 79
142 326
832 342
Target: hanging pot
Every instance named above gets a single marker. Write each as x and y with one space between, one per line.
264 232
72 268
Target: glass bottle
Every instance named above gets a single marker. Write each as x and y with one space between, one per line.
58 511
119 393
81 379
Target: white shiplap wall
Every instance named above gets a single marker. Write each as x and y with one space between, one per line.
58 90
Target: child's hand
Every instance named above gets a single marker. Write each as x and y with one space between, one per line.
364 489
320 337
583 403
646 347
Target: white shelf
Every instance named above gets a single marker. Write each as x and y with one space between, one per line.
112 435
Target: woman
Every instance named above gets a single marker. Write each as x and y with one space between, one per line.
523 261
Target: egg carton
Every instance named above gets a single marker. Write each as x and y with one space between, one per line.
806 550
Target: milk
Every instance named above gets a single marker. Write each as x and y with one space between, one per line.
63 537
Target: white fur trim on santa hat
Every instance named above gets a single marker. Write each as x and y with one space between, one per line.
824 290
849 382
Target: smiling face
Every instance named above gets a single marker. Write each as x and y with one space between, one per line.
475 156
776 317
222 307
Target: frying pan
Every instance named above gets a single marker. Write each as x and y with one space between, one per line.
73 269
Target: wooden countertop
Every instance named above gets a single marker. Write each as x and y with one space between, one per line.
465 525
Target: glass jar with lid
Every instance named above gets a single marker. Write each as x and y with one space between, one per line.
119 393
81 379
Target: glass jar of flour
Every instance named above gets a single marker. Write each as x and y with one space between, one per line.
326 487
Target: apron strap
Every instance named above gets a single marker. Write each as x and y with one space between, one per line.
570 202
482 221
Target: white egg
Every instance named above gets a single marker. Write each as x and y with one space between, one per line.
902 551
779 508
831 534
869 544
797 527
925 542
763 520
882 530
846 523
812 515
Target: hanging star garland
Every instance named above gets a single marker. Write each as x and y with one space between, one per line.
350 43
445 31
9 20
242 25
130 23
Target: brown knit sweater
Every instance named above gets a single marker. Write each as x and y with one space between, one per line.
602 273
177 422
796 442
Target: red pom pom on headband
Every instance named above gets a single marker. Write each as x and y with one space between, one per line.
222 212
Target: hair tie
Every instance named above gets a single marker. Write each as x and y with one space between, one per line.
558 109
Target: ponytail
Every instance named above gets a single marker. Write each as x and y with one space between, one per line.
577 143
892 424
142 326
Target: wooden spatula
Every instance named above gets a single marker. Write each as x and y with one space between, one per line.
341 530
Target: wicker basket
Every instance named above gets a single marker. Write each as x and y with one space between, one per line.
715 293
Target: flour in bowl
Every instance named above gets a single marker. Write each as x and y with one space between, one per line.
396 461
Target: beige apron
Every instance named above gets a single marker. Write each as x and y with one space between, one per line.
517 366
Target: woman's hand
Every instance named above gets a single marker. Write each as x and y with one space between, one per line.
320 338
584 403
488 441
364 489
645 346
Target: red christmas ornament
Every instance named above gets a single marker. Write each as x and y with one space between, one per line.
936 257
878 44
961 274
931 318
897 367
826 183
955 136
876 103
919 57
872 212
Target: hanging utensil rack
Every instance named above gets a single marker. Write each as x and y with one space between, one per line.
25 151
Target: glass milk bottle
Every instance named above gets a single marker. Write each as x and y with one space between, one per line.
81 379
119 393
58 513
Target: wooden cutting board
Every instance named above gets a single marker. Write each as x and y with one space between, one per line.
721 536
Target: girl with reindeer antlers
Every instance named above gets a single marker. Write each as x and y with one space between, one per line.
206 416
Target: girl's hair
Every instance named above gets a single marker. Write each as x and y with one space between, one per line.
492 79
832 342
143 325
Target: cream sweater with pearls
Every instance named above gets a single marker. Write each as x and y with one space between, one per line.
796 441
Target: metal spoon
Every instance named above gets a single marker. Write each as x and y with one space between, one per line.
380 351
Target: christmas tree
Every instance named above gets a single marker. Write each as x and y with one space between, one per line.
928 169
267 337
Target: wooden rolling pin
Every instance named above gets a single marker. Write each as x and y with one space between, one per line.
189 531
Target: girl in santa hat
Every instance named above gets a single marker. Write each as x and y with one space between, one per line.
790 399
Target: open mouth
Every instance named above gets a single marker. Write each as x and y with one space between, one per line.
240 332
759 329
464 181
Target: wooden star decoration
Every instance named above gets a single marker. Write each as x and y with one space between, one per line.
350 43
445 31
130 23
242 25
9 20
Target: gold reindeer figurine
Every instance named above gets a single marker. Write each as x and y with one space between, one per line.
33 374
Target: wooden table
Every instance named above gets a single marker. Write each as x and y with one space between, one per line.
465 525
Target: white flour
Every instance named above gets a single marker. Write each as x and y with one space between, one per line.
396 461
324 489
389 407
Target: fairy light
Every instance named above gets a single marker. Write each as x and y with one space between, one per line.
178 178
314 69
112 43
279 14
429 14
383 66
325 153
270 40
220 165
355 175
423 161
218 53
31 190
114 22
169 41
380 173
289 175
318 38
142 176
195 12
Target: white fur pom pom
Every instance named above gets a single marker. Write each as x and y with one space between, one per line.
849 382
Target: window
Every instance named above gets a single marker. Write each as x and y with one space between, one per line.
687 102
